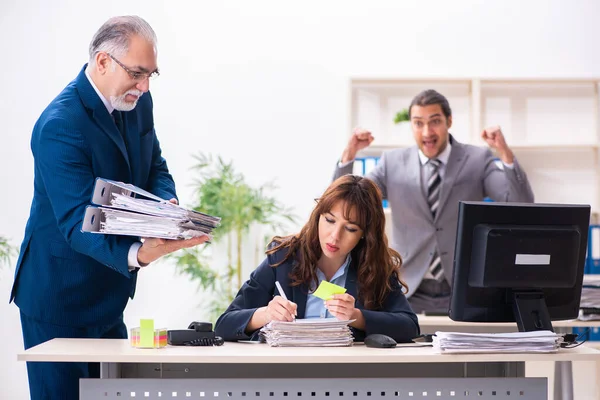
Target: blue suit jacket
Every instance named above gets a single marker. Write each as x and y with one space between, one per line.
64 276
395 318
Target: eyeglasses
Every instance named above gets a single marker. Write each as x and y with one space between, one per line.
136 75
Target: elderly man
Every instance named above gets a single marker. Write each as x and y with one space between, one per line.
68 283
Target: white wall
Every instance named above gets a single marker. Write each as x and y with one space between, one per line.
264 83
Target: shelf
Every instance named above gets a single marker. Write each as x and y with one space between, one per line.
370 80
376 102
377 150
538 111
556 147
551 124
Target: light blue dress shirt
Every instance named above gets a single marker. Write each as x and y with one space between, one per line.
315 307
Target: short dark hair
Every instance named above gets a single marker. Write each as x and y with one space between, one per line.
429 97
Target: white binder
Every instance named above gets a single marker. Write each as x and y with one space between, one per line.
125 209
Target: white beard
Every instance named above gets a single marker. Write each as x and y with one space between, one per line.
119 103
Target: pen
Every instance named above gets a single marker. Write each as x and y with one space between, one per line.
280 289
281 292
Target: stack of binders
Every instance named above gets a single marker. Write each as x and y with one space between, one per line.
125 209
308 333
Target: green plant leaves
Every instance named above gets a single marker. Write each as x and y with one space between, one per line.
7 252
221 191
401 116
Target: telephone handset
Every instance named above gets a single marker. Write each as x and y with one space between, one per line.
197 334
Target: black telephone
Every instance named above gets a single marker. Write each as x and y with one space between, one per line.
197 334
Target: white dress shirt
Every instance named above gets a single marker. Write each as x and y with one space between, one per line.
132 260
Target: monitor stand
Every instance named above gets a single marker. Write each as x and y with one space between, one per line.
531 312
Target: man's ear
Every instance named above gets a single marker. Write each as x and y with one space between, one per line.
102 62
449 121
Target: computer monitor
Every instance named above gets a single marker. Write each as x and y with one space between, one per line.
519 262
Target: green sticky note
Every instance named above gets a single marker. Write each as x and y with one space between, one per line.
146 333
327 289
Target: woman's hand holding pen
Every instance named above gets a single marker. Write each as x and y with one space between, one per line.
280 309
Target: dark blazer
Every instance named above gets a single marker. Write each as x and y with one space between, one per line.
395 319
64 276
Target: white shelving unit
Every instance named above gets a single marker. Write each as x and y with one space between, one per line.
552 125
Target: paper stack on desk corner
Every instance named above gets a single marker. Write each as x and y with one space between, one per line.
516 342
310 332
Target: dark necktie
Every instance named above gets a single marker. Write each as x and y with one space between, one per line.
433 199
118 117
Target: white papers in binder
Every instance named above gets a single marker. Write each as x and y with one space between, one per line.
370 164
589 307
358 168
595 242
128 210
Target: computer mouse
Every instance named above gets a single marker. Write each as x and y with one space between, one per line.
379 341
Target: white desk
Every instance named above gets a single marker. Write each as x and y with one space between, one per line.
119 351
563 371
242 370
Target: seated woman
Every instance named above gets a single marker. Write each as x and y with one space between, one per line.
344 243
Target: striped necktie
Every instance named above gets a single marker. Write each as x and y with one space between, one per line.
434 185
433 199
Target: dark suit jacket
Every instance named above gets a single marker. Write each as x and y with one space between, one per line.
395 319
64 276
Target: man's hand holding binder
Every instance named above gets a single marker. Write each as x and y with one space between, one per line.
155 248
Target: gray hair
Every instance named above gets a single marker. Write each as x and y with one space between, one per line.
114 35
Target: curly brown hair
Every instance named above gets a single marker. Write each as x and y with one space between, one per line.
378 266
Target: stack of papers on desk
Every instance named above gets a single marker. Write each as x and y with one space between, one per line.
517 342
121 213
308 333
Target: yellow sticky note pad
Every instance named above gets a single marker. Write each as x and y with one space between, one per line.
146 333
327 289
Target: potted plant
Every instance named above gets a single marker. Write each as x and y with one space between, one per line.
223 192
401 116
7 252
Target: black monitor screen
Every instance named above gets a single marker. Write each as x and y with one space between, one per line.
519 262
